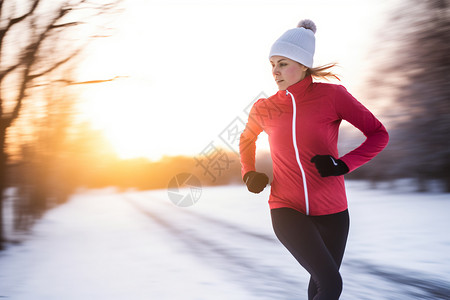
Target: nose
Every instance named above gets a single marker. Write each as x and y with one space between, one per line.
275 71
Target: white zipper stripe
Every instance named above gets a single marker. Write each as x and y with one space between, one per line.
297 155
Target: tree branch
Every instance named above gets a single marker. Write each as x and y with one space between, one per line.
56 65
66 25
93 81
29 59
32 49
7 71
31 53
71 82
53 25
14 21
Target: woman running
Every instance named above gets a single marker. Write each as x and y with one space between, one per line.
307 199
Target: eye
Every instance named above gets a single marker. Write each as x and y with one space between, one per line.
283 64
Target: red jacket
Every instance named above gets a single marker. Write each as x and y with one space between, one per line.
302 122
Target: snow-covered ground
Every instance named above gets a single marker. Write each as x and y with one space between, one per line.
138 245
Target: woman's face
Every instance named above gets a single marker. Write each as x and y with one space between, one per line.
286 72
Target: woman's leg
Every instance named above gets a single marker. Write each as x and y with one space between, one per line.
334 232
303 238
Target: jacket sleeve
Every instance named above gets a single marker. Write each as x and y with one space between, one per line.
247 142
351 110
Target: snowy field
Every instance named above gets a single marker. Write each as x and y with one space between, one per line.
138 245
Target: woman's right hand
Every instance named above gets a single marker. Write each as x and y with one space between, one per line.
255 181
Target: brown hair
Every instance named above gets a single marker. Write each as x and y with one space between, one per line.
323 72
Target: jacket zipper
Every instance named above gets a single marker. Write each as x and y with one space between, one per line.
297 155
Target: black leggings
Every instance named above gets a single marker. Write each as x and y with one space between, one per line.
318 244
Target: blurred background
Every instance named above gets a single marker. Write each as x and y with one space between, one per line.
130 93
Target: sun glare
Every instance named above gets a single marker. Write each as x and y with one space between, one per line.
123 112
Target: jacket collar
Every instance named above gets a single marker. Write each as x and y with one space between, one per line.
299 87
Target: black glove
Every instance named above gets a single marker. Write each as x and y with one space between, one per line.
327 165
255 181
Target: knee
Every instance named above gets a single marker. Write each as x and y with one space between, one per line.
337 289
330 289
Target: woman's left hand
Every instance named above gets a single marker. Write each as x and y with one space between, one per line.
327 165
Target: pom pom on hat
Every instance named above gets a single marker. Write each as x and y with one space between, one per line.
298 44
307 24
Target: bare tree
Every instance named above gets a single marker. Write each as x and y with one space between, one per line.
30 31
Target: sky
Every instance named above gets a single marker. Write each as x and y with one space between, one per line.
191 67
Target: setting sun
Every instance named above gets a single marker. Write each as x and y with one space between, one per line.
123 111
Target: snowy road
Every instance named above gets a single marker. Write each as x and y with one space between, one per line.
106 245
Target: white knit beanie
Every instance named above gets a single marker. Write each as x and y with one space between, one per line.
297 44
